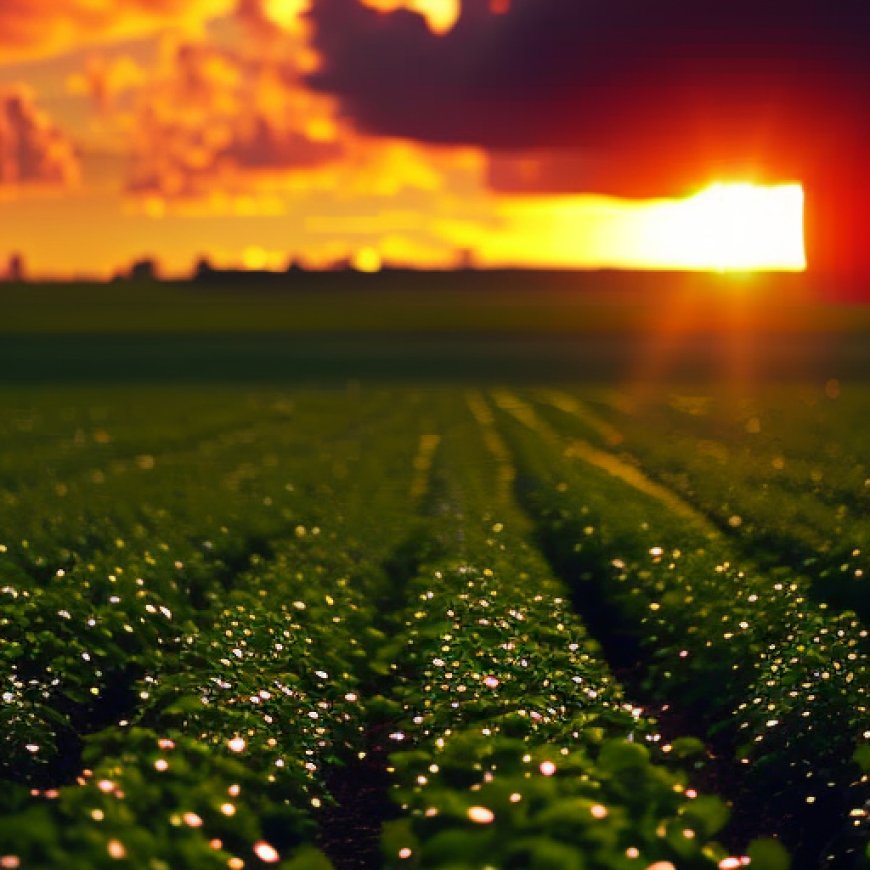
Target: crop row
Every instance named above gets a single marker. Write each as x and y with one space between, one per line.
59 433
235 666
791 486
84 617
238 480
517 748
777 680
206 638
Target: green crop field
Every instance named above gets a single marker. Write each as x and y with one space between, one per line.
462 599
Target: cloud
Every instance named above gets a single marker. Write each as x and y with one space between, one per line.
635 170
228 122
215 117
270 18
104 79
440 15
31 28
33 151
637 87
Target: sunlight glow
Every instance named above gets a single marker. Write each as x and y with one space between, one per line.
286 13
367 260
256 258
738 227
440 15
733 227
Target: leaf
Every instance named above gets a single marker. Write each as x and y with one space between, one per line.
768 854
707 814
457 846
398 835
307 858
618 755
687 747
384 708
862 757
542 853
185 704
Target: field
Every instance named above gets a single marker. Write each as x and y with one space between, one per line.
294 583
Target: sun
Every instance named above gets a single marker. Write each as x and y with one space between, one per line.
741 227
726 227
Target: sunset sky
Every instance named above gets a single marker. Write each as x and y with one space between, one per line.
516 132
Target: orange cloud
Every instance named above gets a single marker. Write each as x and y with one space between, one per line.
214 117
440 15
105 79
33 151
36 28
268 18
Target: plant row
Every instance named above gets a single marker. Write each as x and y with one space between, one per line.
182 704
515 746
789 486
779 681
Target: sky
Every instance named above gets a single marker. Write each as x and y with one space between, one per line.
431 133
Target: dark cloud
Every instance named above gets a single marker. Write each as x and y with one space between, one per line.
732 76
628 97
33 151
648 170
262 145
